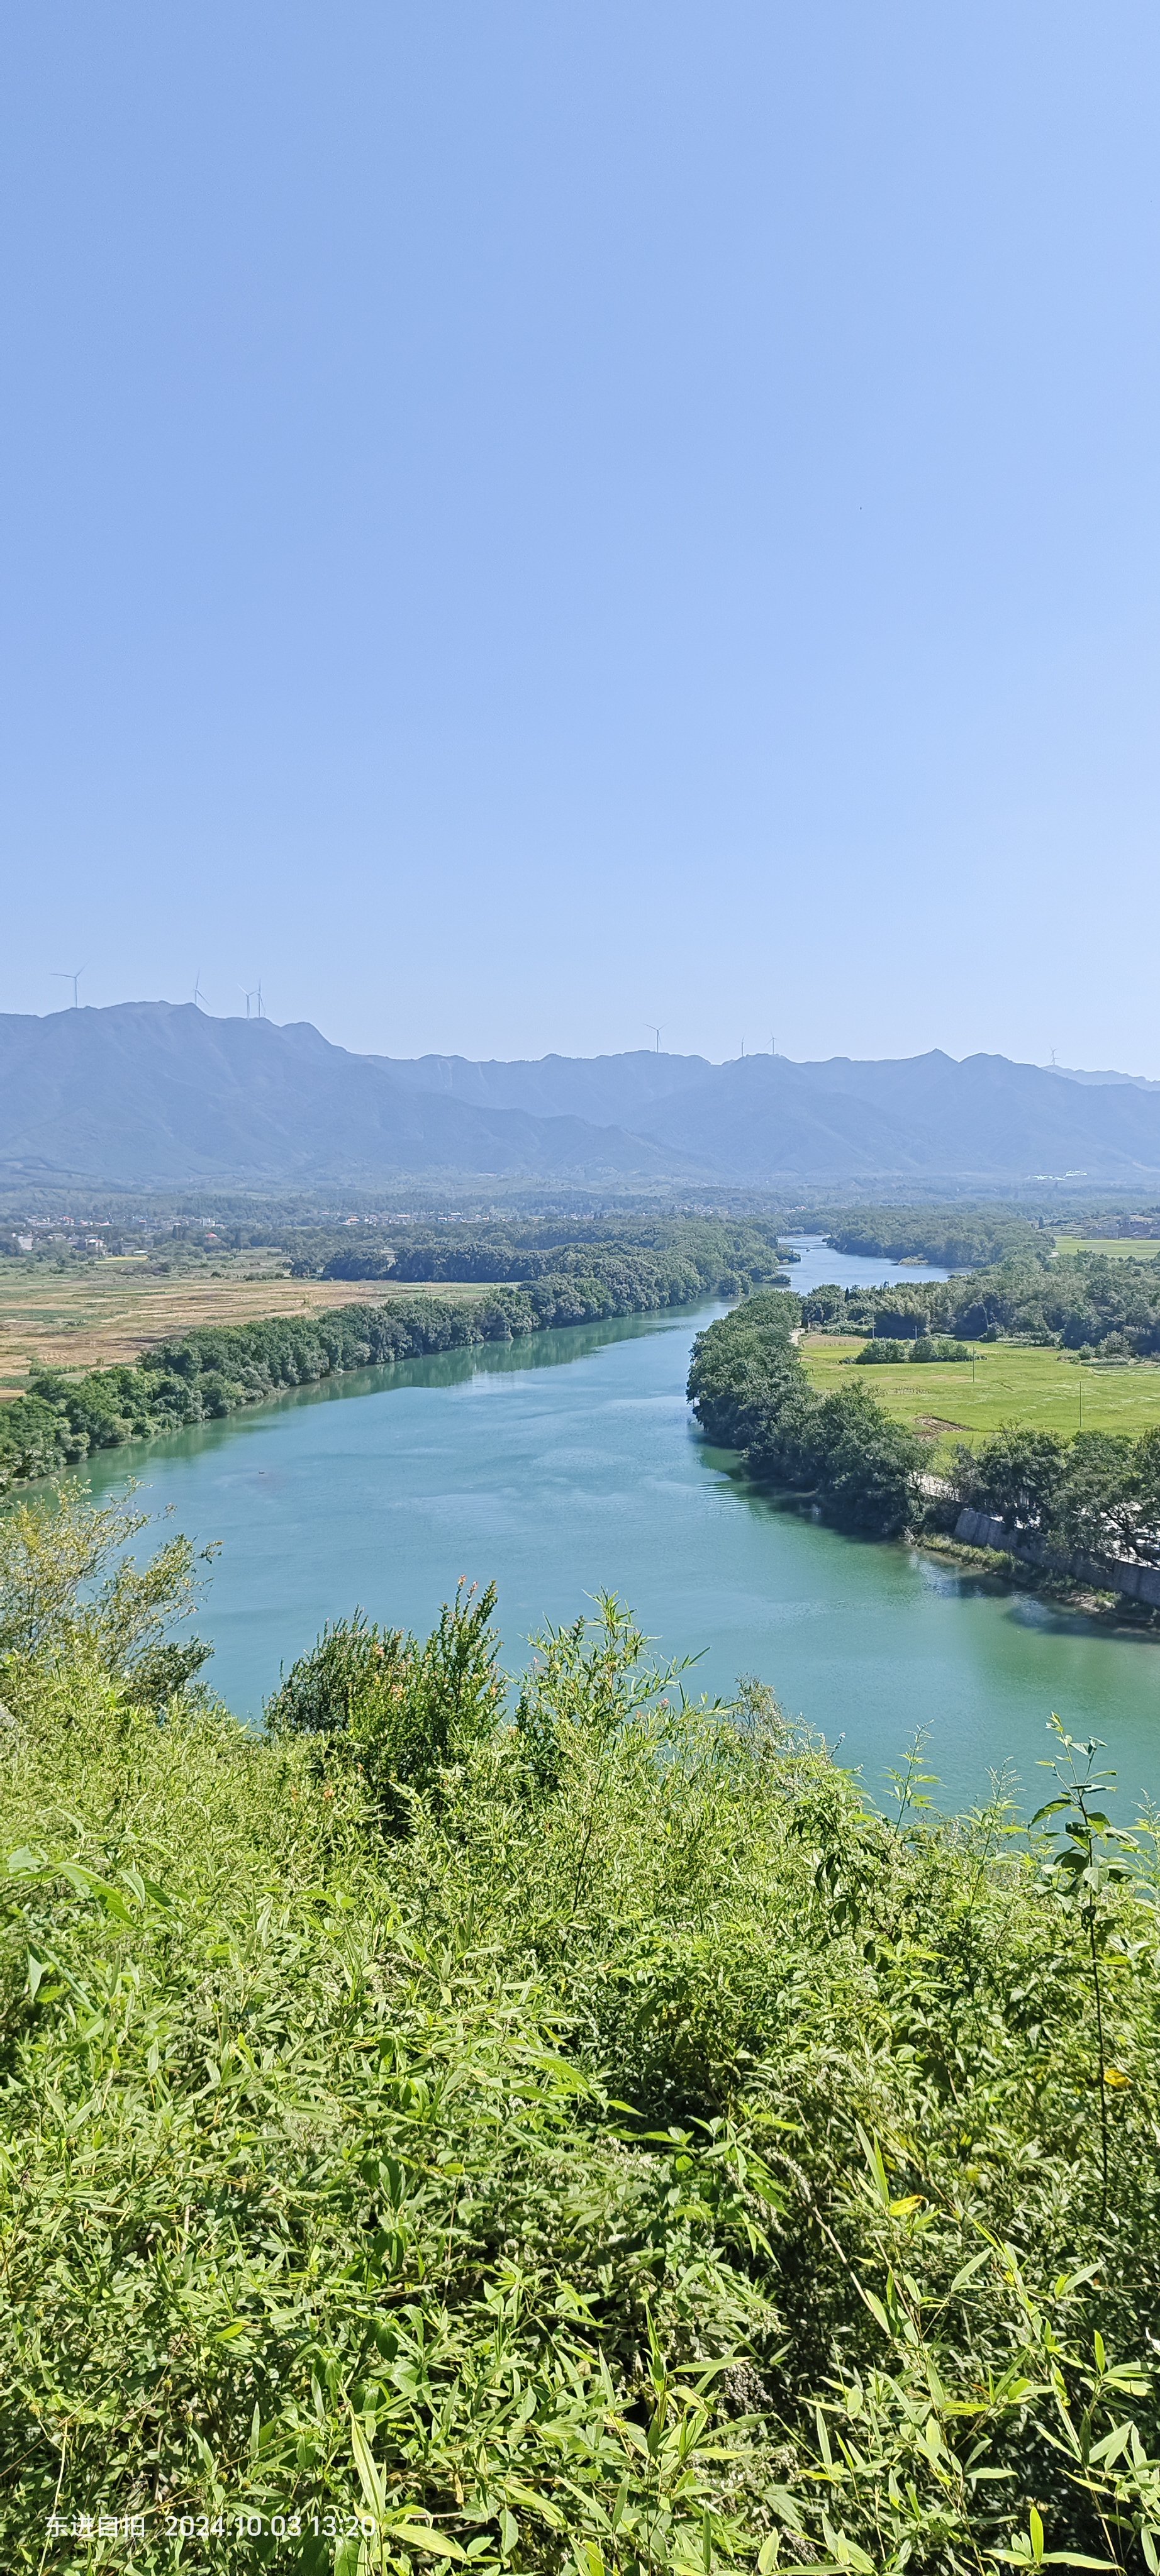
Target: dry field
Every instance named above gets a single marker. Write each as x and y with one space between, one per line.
96 1317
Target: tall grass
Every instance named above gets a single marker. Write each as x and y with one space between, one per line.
591 2139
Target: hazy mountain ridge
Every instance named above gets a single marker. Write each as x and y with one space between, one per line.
619 1090
1075 1073
161 1095
926 1116
158 1094
763 1118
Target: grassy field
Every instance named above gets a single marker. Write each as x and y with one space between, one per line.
96 1317
1133 1247
954 1400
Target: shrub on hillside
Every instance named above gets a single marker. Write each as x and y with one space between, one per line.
397 1712
658 2160
72 1603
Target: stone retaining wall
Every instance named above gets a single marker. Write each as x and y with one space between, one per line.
1140 1582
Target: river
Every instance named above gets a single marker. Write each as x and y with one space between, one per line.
569 1463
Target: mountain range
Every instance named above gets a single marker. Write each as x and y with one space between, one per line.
158 1094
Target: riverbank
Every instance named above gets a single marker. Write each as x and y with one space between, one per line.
565 1463
1114 1612
1084 1512
208 1374
110 1313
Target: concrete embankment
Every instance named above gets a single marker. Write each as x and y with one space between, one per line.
1139 1582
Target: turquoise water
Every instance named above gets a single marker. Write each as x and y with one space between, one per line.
570 1463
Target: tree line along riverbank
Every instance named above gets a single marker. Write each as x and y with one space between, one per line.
1096 1495
563 2131
205 1374
1090 1302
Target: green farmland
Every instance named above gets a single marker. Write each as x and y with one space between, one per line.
1001 1382
1131 1247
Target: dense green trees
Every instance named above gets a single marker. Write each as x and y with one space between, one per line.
749 1390
955 1238
1096 1495
922 1349
712 1251
653 2159
897 1313
1085 1301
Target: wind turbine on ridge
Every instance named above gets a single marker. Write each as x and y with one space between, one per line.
656 1034
65 975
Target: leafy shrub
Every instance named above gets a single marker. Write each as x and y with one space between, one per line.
398 1711
658 2160
72 1602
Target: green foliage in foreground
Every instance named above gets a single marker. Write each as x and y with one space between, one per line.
214 1371
650 2159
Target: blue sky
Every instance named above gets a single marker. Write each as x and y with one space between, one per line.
525 522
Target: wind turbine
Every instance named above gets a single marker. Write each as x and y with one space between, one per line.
261 1004
249 998
65 975
197 991
656 1033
